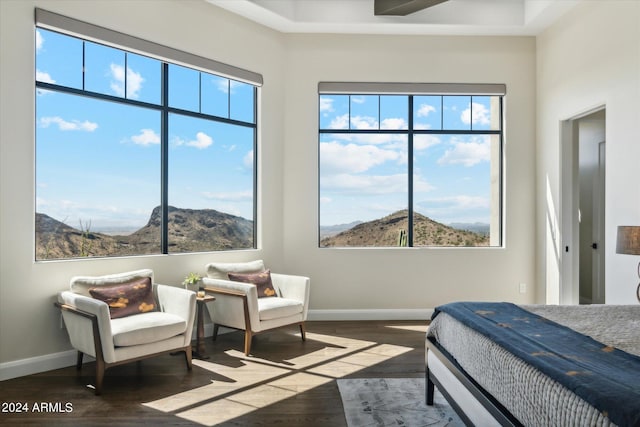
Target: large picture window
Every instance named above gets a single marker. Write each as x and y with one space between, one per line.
410 165
138 155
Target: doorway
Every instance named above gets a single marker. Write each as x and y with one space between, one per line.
583 164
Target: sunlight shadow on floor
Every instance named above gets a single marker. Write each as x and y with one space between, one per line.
255 383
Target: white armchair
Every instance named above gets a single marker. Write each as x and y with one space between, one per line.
237 305
163 328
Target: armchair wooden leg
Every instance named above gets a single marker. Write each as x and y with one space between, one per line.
215 331
100 368
247 342
79 360
303 331
188 357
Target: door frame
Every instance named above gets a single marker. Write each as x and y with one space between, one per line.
569 203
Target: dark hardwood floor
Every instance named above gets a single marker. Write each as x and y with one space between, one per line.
285 382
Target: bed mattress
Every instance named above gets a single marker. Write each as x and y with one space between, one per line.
528 394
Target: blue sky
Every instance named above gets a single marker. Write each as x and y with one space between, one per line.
364 177
99 161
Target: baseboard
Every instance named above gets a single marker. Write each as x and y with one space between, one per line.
375 314
48 362
34 365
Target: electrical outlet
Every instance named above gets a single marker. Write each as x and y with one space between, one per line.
523 288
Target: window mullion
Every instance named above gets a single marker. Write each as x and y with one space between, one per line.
410 173
164 161
126 56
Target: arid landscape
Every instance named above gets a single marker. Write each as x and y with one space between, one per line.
200 230
387 232
190 230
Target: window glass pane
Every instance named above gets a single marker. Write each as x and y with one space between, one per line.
144 78
334 112
455 188
91 207
215 95
242 102
99 163
184 88
104 69
364 112
363 178
58 59
394 112
427 112
455 114
210 185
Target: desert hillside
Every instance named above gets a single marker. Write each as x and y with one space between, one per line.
190 230
386 231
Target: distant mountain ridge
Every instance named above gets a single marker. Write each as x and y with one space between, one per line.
385 232
190 230
332 230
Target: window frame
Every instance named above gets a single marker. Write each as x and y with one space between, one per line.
166 56
412 90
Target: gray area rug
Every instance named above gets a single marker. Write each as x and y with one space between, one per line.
393 402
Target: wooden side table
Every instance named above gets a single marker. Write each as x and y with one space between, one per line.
199 350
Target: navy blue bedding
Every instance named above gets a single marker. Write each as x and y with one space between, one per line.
605 377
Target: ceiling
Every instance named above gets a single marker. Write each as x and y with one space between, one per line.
453 17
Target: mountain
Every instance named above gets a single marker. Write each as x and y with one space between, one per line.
385 232
476 227
190 230
332 230
196 230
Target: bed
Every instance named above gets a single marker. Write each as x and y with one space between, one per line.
536 365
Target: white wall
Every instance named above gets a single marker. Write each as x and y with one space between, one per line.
29 323
588 59
409 278
355 279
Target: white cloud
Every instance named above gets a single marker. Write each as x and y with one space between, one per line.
467 153
66 125
146 137
202 141
39 41
326 104
460 208
364 184
481 114
353 158
358 99
425 109
229 197
370 184
460 202
134 81
394 123
340 122
224 85
364 123
41 76
247 160
422 142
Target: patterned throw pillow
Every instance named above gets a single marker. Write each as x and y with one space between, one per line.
125 299
262 281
